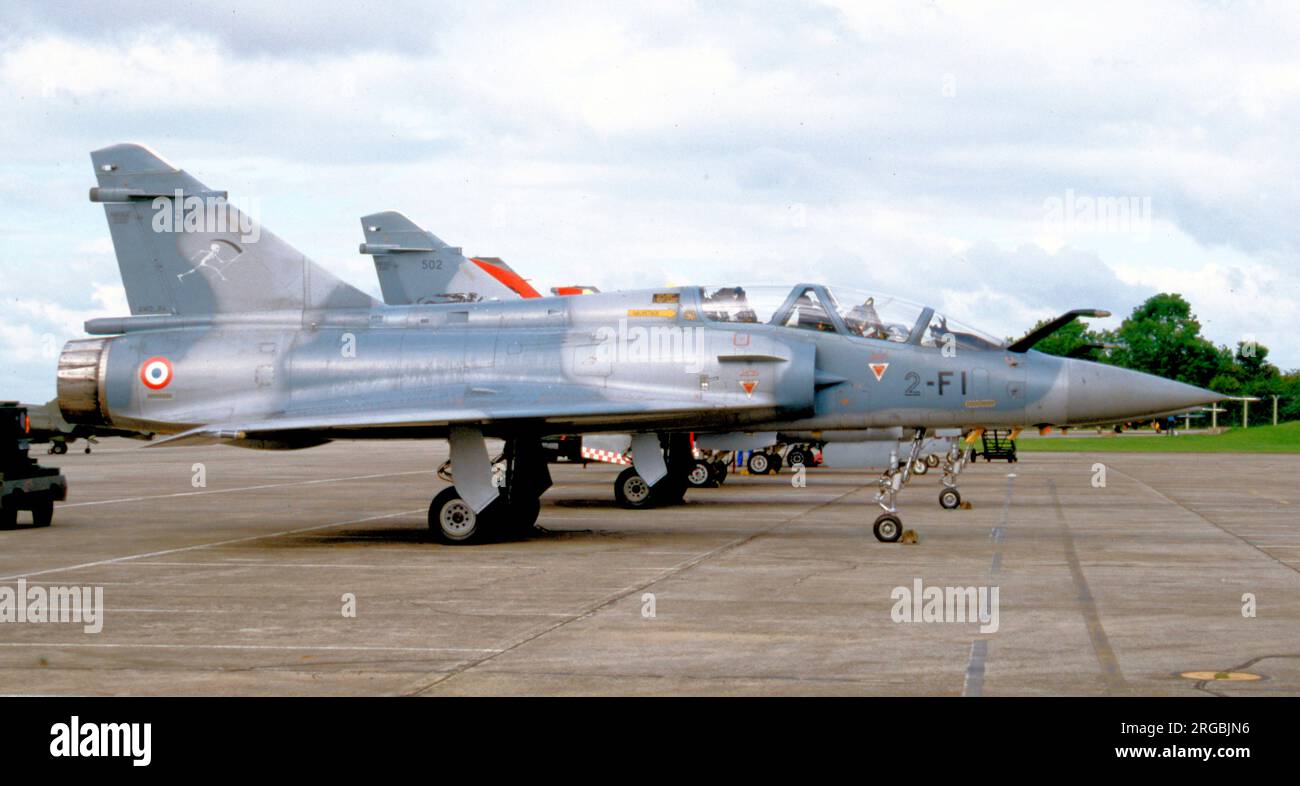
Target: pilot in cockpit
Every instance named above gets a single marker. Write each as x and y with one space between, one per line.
811 315
729 304
864 321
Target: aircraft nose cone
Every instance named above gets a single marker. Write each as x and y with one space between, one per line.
1099 393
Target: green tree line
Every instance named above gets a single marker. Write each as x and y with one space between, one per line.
1162 336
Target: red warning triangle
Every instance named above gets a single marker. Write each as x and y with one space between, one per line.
878 369
749 385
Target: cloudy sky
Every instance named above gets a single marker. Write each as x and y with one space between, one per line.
946 152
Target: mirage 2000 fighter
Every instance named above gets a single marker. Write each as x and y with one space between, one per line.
234 337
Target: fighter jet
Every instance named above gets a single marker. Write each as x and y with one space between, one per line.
277 353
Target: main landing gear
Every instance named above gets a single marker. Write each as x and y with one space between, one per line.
490 500
672 466
762 462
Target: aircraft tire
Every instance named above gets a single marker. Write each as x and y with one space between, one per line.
888 528
759 463
950 499
670 491
919 467
59 448
797 457
630 491
701 475
454 522
518 519
718 470
8 517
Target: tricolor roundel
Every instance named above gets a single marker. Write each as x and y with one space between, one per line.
156 373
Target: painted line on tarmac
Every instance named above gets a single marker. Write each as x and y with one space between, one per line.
241 488
213 544
258 647
1106 660
979 649
314 565
974 684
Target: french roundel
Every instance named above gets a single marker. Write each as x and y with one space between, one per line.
156 373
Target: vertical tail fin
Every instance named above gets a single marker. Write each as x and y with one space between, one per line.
414 266
184 249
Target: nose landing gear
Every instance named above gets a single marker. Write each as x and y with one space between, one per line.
953 464
888 527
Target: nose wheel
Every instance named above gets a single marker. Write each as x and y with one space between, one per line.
888 528
953 464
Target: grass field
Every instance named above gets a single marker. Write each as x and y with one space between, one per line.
1283 438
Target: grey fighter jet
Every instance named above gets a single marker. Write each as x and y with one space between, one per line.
265 349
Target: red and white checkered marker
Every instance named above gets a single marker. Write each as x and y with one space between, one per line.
607 456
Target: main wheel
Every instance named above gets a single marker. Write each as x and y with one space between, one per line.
919 467
932 460
759 463
454 521
59 448
43 513
519 518
797 457
949 499
669 491
631 490
700 475
888 528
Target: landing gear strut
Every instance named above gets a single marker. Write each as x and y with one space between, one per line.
679 466
953 463
888 527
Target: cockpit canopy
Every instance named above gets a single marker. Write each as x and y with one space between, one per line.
848 312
